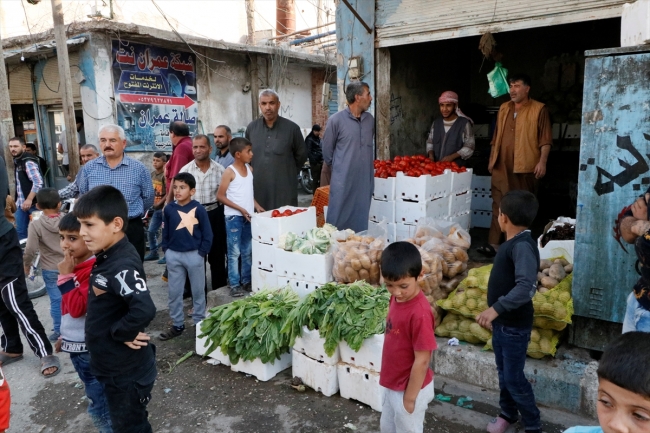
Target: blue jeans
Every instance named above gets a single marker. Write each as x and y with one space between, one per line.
154 226
22 221
98 408
240 243
517 396
637 318
50 278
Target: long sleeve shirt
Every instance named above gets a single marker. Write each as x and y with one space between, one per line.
34 174
186 228
70 191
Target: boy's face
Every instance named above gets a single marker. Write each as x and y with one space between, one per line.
245 155
98 235
622 411
182 191
158 164
502 218
403 289
73 242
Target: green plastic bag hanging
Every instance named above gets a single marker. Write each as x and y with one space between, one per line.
498 79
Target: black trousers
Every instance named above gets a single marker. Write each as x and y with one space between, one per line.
16 309
135 233
217 255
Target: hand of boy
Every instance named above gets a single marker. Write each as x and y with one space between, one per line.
57 346
258 208
486 317
409 405
67 265
141 340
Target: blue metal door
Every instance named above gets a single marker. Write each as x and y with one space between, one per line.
333 105
614 171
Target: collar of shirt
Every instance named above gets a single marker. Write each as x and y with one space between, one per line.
359 119
102 160
114 250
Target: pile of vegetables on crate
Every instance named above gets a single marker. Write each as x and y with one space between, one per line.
286 213
553 308
414 166
340 312
315 241
357 257
249 328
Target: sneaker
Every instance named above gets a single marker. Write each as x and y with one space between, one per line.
236 292
172 332
54 336
248 287
498 425
151 256
162 261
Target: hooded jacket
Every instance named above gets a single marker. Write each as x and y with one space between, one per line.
43 235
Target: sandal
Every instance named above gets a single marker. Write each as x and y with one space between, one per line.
50 361
6 359
487 250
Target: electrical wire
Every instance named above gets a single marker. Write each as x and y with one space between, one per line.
27 22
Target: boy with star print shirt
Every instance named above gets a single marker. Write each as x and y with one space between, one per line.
187 238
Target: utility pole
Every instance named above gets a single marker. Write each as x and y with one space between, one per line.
6 121
66 87
320 13
250 20
254 71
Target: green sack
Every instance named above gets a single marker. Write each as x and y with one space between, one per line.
498 79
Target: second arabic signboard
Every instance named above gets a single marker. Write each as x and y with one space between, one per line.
153 87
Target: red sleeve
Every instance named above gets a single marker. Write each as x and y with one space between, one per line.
182 157
422 334
77 301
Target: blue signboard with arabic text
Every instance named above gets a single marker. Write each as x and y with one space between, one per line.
153 87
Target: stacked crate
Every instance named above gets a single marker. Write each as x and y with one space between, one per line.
311 364
481 201
358 372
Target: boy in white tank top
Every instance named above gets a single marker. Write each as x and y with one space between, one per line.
236 193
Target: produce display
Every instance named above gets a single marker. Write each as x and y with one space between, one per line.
456 326
542 342
341 312
315 241
414 166
563 232
357 257
249 328
288 212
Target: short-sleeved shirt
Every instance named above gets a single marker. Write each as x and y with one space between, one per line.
159 190
207 184
224 160
409 328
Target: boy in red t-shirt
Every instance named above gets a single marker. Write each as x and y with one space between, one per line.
408 343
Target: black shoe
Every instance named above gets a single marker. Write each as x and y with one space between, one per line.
236 292
172 332
248 287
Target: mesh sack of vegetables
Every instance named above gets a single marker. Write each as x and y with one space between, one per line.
543 342
454 258
432 270
478 278
467 302
249 328
555 305
357 256
455 326
448 285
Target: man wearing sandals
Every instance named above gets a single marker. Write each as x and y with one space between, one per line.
16 307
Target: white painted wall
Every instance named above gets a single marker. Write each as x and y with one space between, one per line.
295 96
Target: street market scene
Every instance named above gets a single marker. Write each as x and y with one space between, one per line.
325 216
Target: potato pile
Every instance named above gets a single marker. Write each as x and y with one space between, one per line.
554 307
551 273
455 326
542 342
357 258
470 297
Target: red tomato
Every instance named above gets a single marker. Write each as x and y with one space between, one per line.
275 214
398 158
287 212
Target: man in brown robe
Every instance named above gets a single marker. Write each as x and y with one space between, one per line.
520 147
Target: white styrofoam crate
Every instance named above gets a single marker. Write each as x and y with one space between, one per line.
635 23
311 344
268 230
482 201
302 288
481 218
382 211
556 249
316 375
384 189
264 256
201 348
423 188
461 182
263 371
391 234
263 279
404 231
368 356
315 268
463 220
359 384
460 204
481 184
410 212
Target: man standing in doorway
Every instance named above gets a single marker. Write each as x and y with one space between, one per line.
29 181
208 178
42 164
222 137
520 148
179 135
315 153
278 154
126 174
348 150
451 137
87 152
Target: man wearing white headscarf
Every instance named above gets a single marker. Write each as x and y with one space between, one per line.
451 137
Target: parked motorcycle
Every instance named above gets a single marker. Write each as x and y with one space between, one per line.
305 180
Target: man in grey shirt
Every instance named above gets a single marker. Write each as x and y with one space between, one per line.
278 154
348 149
222 137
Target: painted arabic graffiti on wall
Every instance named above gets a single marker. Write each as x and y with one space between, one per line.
153 87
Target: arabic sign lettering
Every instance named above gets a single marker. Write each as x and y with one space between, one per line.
153 87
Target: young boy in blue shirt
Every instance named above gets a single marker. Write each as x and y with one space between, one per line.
512 285
187 238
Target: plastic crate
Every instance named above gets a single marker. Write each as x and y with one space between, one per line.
391 231
463 220
264 256
318 376
201 349
482 201
311 344
268 230
263 371
382 211
263 279
302 288
315 268
461 182
404 231
481 219
481 184
368 356
410 212
360 384
460 204
423 188
384 189
320 201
